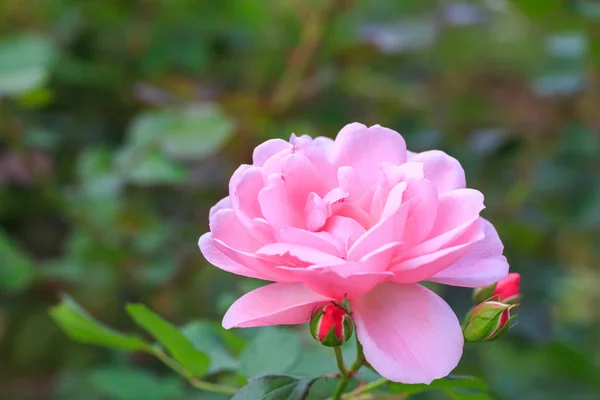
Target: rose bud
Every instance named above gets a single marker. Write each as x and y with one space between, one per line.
505 290
331 325
487 321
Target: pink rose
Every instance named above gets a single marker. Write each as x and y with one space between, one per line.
363 219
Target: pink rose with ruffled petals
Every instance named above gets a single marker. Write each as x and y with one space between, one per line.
360 218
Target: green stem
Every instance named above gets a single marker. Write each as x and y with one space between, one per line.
339 358
367 388
343 383
195 382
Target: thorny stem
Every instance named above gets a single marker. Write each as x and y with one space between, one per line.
195 382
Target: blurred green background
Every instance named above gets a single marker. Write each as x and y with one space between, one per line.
121 122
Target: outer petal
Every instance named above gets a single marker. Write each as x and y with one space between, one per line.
483 265
226 227
409 334
425 266
365 148
275 304
457 211
265 150
244 191
444 171
222 204
220 260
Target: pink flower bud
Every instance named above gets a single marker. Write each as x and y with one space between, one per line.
505 290
487 321
331 325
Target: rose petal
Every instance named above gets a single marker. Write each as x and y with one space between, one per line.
422 199
458 210
296 256
380 259
388 230
220 260
345 230
251 261
425 266
226 227
322 241
283 200
316 212
440 168
483 265
266 150
222 204
244 191
329 281
409 334
364 149
275 304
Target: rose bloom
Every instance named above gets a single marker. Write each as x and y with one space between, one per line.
364 219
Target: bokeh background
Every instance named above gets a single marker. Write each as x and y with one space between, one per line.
121 122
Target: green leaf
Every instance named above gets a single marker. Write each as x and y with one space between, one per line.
16 269
149 127
80 326
197 132
194 361
273 350
124 383
453 385
24 63
192 132
205 337
95 171
275 387
155 168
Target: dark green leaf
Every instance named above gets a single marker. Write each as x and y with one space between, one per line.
454 385
273 350
80 326
275 387
16 269
122 383
195 361
205 337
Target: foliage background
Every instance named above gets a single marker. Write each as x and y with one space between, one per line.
122 120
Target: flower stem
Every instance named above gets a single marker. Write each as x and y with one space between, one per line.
339 358
195 382
366 388
347 376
